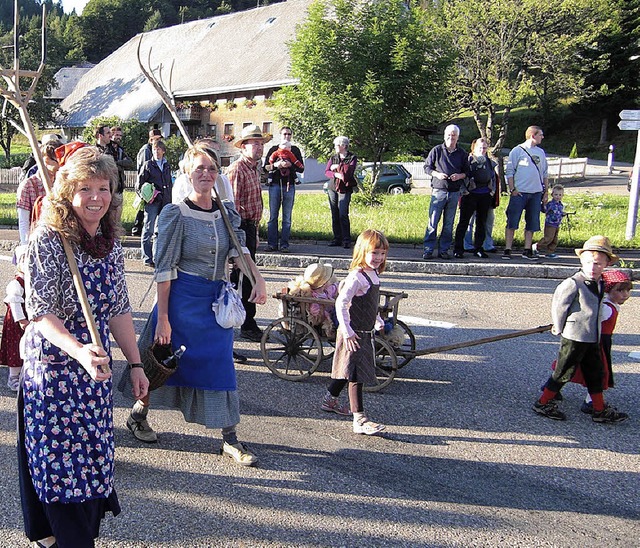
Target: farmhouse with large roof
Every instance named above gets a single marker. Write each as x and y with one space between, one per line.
222 72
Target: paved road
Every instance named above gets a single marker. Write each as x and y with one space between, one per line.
464 462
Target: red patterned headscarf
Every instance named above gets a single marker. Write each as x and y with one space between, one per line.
613 277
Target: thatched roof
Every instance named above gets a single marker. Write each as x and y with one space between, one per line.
228 54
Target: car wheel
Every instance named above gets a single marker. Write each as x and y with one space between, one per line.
396 190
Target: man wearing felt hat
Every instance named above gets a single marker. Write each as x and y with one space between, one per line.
244 175
575 310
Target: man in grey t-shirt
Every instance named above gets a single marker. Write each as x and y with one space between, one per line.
527 181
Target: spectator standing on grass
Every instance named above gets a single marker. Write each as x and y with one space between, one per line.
554 213
448 165
527 182
340 170
477 198
282 165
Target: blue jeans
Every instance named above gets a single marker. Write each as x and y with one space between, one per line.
280 196
339 204
149 230
488 243
441 202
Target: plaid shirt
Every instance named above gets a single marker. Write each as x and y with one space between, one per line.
245 181
28 191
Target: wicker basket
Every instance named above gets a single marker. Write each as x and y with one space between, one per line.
155 371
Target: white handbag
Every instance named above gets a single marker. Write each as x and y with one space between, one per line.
228 308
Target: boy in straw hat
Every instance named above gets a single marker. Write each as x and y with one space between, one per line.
575 310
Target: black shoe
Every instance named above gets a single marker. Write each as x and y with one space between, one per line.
239 358
587 408
333 243
136 231
549 410
506 254
445 255
271 249
458 254
610 415
529 254
427 255
480 254
347 245
150 265
254 334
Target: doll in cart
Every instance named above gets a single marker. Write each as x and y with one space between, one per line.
318 282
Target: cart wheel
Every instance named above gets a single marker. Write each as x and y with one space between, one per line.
291 348
386 365
328 348
406 351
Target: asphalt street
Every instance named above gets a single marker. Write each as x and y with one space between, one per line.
464 460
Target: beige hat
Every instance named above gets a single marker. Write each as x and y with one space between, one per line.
52 137
599 243
316 275
251 132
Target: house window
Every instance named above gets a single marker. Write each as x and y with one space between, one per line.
212 131
267 128
246 124
228 132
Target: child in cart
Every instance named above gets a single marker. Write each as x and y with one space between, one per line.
358 318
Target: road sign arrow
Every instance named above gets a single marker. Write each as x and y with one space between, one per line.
630 115
629 124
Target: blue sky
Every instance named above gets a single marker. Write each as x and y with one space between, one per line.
70 5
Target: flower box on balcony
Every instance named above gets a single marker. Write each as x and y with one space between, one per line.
191 113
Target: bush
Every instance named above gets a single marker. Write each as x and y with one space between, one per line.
176 147
15 160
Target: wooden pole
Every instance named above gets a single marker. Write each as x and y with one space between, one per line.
20 99
466 344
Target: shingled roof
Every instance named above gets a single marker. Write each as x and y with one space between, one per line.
232 53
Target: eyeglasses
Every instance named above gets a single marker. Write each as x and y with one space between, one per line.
201 169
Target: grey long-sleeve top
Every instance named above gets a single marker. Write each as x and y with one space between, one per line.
195 242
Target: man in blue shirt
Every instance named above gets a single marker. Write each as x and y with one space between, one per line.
448 165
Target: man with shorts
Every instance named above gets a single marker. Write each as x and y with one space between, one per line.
527 180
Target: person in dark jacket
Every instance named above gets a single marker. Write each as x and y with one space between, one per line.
144 155
448 166
157 172
340 170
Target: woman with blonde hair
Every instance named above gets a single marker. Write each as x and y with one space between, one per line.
65 405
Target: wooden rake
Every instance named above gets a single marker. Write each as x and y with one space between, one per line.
166 95
12 93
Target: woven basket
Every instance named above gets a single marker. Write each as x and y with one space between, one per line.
153 368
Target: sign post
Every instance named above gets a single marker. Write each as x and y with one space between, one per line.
630 121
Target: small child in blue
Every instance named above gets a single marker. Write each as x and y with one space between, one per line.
554 214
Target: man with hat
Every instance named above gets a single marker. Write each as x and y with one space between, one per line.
244 175
575 310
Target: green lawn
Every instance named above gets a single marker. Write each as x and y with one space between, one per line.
403 218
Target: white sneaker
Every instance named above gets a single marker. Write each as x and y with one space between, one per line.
367 427
239 452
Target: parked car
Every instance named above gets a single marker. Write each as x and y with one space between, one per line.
392 179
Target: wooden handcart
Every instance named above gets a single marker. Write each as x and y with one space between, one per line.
293 349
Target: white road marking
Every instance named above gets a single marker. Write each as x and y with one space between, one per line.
413 320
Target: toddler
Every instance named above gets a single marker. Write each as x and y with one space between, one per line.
554 214
284 153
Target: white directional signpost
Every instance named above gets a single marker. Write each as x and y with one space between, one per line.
630 120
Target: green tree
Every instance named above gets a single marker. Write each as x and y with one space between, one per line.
135 133
373 71
518 52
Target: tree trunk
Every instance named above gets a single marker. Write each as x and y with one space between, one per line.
603 132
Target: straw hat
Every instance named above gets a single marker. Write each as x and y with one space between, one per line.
251 132
599 243
316 275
